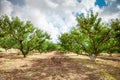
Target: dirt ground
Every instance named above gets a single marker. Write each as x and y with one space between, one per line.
56 66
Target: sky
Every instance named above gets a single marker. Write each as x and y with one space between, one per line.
58 16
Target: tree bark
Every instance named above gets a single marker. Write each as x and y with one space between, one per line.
24 55
93 57
22 49
110 54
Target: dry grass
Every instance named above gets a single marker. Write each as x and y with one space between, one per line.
54 66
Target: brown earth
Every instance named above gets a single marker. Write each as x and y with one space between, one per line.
56 66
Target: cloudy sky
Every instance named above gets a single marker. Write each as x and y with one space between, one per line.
58 16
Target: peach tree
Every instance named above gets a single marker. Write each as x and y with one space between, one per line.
26 36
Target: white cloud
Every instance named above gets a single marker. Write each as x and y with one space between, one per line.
51 4
118 6
56 16
111 11
88 4
5 7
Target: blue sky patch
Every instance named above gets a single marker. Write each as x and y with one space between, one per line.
79 1
18 2
100 3
58 16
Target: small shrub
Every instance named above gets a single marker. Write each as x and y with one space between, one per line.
104 54
1 51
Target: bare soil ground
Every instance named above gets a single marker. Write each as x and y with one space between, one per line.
55 66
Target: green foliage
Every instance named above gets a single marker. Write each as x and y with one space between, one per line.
21 35
115 27
4 25
7 42
65 41
89 36
49 46
1 51
111 46
104 54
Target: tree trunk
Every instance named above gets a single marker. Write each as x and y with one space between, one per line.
93 57
110 54
24 55
24 52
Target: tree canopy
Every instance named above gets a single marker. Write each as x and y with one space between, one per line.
26 36
115 27
89 34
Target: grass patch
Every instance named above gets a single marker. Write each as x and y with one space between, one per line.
31 74
50 78
104 54
106 76
1 51
30 54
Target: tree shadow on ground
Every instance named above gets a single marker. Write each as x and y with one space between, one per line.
60 67
111 58
11 56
